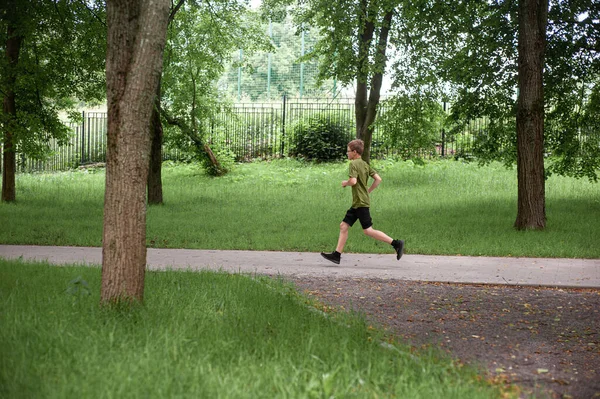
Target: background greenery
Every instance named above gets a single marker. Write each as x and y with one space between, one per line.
441 207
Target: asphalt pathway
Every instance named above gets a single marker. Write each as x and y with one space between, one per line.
579 273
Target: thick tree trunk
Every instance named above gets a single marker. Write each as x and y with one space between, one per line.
135 44
9 164
155 193
533 18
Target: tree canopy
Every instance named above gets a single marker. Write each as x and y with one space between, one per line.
61 62
200 41
354 39
58 59
466 52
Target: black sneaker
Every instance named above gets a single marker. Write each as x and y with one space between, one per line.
333 257
399 249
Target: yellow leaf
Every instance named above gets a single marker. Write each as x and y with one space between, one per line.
542 371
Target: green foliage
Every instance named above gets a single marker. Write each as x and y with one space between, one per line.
78 288
61 61
412 124
189 151
471 60
225 159
176 142
573 138
321 138
496 142
572 89
340 51
264 74
199 42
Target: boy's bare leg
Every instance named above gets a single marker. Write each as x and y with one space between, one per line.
378 235
381 236
344 227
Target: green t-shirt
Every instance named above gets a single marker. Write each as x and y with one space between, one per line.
361 171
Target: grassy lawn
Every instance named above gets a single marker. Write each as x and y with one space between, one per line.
203 335
216 335
443 207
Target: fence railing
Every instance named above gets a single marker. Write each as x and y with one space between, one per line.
250 131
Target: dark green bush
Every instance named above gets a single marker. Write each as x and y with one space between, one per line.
321 138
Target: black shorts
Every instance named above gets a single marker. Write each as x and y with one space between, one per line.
361 214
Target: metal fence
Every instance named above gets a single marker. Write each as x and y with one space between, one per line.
250 131
267 130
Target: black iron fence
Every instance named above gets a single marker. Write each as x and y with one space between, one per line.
267 130
250 131
87 145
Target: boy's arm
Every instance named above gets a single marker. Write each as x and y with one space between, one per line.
376 181
350 182
351 179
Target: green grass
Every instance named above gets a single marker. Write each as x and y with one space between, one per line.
201 335
443 207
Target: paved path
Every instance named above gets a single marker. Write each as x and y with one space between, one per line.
582 273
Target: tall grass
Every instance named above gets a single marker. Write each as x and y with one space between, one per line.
201 335
442 207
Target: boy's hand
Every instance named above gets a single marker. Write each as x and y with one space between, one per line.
350 182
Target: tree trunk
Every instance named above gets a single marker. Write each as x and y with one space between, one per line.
533 18
155 193
9 164
213 159
370 111
135 44
201 146
365 36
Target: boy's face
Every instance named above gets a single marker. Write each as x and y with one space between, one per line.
352 154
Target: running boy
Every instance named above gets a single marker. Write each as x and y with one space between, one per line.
359 173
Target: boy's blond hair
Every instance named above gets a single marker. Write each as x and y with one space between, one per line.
357 145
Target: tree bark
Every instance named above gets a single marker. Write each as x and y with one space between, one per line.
376 82
531 209
201 146
9 164
155 192
365 36
135 43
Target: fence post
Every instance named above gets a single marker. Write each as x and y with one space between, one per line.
240 76
283 126
82 137
269 61
302 64
444 135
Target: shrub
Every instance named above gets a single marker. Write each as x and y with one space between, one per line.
321 138
412 124
225 158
